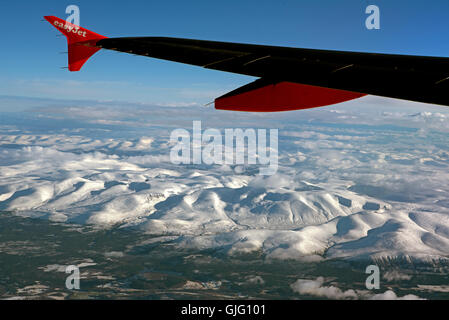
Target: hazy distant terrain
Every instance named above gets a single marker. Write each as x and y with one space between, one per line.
365 182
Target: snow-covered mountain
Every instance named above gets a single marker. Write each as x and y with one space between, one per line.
367 179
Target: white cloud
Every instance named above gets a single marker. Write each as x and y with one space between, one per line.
390 295
396 275
317 289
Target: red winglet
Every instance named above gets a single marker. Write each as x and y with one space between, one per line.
81 42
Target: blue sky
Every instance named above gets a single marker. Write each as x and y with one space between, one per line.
30 58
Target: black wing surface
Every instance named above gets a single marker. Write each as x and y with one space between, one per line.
416 78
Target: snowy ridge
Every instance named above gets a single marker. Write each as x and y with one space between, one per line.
375 190
281 216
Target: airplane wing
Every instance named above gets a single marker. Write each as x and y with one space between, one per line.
289 78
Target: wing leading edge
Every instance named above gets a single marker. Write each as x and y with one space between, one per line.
294 78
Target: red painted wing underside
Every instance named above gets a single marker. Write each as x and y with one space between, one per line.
284 96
